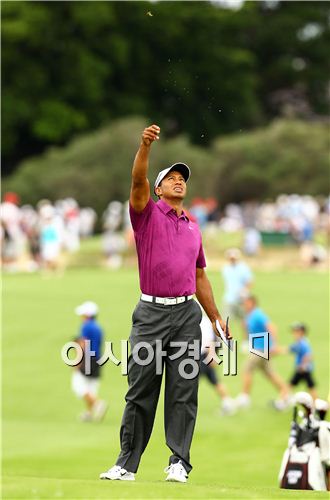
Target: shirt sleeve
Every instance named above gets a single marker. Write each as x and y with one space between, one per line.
85 332
263 319
138 219
304 349
294 348
201 262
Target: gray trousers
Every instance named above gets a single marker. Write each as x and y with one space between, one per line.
179 323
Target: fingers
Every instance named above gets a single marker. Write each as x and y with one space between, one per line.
155 128
151 133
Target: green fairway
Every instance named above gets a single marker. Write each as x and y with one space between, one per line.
47 453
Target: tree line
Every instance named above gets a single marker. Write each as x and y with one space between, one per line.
287 156
195 67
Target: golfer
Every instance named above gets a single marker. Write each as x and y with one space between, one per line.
171 268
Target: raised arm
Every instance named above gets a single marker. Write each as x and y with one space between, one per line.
140 189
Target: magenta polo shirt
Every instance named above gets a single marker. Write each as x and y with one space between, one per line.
169 249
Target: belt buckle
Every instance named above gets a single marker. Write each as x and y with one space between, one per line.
169 301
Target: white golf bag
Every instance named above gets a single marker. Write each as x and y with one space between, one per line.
302 467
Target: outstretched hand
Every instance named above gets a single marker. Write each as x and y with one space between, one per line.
150 134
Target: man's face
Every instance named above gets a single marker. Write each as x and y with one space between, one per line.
172 186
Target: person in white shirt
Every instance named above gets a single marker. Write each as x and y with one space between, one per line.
209 370
237 278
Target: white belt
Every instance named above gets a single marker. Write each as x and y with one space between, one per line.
165 301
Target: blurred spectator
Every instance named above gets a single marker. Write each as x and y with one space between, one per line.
304 366
12 236
209 370
69 210
113 240
50 238
30 226
294 214
256 322
237 278
198 209
298 216
233 219
252 241
203 211
87 220
86 376
288 219
32 238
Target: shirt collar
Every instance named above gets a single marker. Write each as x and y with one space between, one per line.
166 209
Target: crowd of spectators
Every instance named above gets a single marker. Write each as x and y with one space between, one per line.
44 232
41 233
297 215
291 218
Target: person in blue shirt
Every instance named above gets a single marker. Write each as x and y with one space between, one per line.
86 376
303 370
256 321
237 278
50 238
